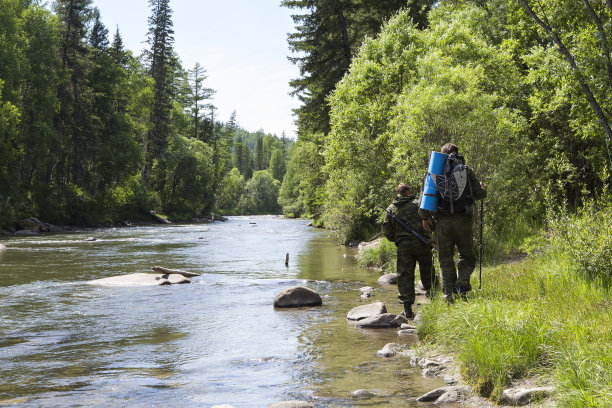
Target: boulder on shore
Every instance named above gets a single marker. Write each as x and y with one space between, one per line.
298 296
141 279
365 311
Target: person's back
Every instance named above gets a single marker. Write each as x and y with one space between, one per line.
401 225
457 190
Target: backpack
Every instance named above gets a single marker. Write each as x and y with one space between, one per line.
454 188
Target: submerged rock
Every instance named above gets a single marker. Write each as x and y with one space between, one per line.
297 296
390 350
141 279
365 311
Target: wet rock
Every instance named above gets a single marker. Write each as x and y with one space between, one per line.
450 380
30 224
432 371
366 291
435 395
2 247
417 319
141 279
388 279
365 311
90 239
523 396
385 320
389 350
407 326
365 394
297 296
407 332
456 394
292 404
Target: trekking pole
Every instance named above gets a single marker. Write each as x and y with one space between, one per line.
480 250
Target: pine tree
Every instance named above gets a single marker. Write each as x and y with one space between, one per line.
161 40
259 154
75 95
199 94
328 33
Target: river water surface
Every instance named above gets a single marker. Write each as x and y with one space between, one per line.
218 340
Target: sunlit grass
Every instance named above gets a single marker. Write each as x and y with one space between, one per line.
532 318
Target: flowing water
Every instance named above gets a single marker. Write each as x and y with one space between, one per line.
66 343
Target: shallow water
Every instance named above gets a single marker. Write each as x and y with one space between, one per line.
217 340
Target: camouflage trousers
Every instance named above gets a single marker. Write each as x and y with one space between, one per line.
455 231
409 252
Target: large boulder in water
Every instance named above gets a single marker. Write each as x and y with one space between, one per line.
382 321
141 279
388 279
365 311
297 296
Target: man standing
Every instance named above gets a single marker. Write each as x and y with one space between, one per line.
457 189
402 225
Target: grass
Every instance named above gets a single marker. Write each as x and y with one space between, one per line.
532 318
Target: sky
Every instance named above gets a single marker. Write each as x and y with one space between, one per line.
242 44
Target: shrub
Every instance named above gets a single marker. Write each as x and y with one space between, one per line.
586 239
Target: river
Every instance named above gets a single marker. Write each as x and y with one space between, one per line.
64 343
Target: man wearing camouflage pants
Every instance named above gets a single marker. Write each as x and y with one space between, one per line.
454 230
410 249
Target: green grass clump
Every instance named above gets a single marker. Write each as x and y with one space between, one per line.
532 318
382 253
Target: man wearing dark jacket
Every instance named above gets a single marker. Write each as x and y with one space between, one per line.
453 222
410 249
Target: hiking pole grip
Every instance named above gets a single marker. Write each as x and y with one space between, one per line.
480 250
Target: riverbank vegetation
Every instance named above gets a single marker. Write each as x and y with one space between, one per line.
523 88
92 133
545 316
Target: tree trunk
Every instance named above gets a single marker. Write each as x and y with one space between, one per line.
570 59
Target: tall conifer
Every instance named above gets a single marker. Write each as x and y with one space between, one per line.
161 40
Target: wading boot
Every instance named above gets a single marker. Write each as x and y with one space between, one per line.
407 313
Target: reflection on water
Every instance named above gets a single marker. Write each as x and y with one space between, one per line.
217 340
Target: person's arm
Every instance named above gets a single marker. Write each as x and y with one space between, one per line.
479 189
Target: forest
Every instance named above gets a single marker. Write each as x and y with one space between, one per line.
92 134
523 88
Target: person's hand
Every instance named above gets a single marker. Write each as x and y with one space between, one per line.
427 224
483 185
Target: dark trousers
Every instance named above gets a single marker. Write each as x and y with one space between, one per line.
409 252
455 231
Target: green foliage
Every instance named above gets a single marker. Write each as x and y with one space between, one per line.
303 190
260 194
187 172
130 200
585 238
230 190
380 253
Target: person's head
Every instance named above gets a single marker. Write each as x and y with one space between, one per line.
450 148
403 189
